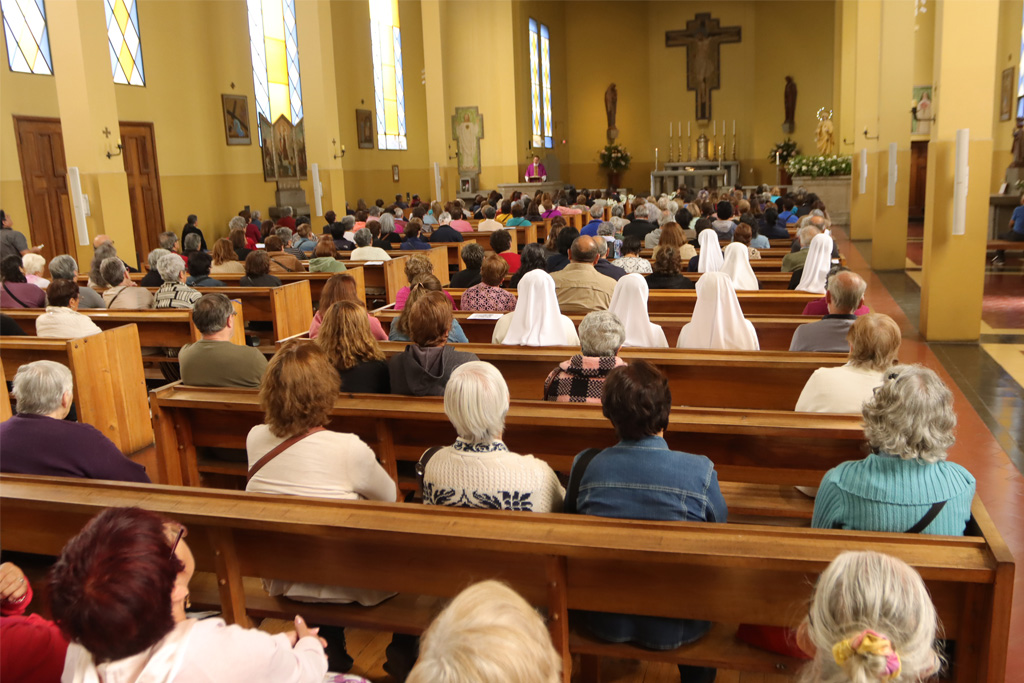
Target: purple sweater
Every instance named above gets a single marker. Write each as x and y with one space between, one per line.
37 444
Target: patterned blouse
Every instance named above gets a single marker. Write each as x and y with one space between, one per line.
175 295
580 379
633 264
484 297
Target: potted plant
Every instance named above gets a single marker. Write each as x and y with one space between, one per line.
615 159
780 154
829 177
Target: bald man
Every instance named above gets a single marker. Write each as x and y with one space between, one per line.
844 294
99 240
579 287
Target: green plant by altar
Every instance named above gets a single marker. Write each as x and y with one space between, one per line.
615 158
819 166
783 151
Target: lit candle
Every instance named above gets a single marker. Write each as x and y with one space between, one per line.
670 129
679 128
714 127
687 129
734 128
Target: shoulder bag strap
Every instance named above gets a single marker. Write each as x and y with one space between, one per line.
277 450
421 465
282 265
114 298
572 491
923 523
23 304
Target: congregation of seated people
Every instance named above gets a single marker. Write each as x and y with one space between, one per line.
128 571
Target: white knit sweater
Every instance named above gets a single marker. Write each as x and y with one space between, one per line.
488 475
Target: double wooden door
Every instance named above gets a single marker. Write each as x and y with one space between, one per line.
140 167
44 175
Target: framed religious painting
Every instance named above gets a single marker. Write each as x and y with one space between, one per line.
394 172
267 135
1006 95
235 111
922 125
364 128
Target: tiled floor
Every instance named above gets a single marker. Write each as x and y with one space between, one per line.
987 379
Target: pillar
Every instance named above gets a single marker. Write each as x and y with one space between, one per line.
845 71
439 115
88 106
965 83
895 83
865 115
320 101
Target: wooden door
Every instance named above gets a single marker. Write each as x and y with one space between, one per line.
44 175
144 196
918 178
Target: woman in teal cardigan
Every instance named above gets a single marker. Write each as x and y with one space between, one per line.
906 484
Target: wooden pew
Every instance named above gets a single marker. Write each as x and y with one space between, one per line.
484 239
557 562
757 446
5 398
682 301
1004 245
769 380
166 327
109 381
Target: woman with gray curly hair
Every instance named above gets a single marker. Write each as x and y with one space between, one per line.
905 484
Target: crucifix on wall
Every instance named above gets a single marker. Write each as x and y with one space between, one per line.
702 38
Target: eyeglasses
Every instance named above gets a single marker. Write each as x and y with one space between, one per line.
182 533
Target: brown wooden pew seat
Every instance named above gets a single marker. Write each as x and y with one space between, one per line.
1004 245
717 572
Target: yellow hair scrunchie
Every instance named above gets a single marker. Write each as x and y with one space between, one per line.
869 642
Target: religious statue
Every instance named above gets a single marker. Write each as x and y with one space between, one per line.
922 119
467 129
1018 145
611 102
826 133
790 100
702 38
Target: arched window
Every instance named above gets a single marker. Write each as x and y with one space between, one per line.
125 42
388 84
540 84
28 39
274 44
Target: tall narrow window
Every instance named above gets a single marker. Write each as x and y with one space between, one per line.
388 85
28 39
274 44
125 43
540 84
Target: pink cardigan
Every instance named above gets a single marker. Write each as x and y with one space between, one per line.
403 296
375 327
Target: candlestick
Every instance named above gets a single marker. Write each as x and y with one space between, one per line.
714 128
734 128
720 152
670 130
688 129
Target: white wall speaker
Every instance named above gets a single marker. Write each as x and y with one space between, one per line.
893 172
864 171
961 177
318 189
79 205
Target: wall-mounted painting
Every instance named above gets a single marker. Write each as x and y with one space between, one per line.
267 135
236 119
1006 95
925 110
364 128
284 149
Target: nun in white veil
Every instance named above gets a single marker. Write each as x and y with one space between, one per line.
737 267
537 320
717 321
710 259
817 265
629 303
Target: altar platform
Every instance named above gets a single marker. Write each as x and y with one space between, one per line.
694 175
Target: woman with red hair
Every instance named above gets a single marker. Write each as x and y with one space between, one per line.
119 592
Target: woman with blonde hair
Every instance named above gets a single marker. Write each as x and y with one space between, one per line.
346 339
225 260
293 454
342 287
417 265
672 236
487 633
870 619
421 286
34 265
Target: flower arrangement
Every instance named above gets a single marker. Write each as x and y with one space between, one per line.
783 151
615 158
819 166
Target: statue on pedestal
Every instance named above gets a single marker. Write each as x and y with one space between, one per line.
789 96
611 102
825 136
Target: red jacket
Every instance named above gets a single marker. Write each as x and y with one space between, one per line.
33 648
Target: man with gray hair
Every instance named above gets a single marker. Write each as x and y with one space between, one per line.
214 361
796 259
64 267
579 287
640 225
365 249
605 240
488 224
581 378
168 240
38 440
192 228
844 293
122 294
815 219
596 218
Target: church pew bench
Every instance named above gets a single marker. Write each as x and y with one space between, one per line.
484 239
757 446
165 327
109 384
774 332
712 379
773 253
5 398
682 301
1004 245
716 572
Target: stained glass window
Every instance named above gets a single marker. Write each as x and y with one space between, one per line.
274 46
540 84
125 43
388 84
28 39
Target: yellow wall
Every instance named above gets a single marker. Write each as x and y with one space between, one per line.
1007 56
652 81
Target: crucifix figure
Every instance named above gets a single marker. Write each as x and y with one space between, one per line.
702 38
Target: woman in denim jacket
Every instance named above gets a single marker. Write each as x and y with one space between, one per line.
641 478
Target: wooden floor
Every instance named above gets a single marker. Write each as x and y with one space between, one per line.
367 649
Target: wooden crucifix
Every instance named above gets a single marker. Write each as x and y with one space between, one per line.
702 38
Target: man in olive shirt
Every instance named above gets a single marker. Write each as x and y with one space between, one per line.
215 361
578 286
